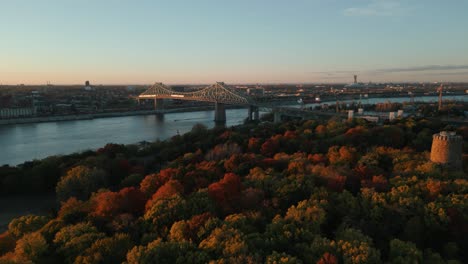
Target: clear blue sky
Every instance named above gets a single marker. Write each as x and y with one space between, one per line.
255 41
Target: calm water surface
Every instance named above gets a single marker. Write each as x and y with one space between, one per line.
24 142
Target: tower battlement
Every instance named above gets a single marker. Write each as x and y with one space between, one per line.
448 136
447 149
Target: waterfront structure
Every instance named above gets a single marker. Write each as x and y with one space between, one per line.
16 112
447 149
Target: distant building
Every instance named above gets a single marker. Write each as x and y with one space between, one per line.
355 84
447 149
374 119
256 91
6 100
6 113
88 86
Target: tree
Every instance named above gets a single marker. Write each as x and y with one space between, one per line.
271 146
254 144
404 252
281 258
251 198
107 250
357 136
356 247
179 232
328 259
151 183
71 241
169 189
22 225
31 247
163 212
132 180
80 182
73 210
128 200
222 151
225 241
106 204
390 136
226 191
321 130
7 243
199 226
342 155
166 252
49 230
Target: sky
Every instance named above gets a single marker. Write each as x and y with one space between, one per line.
242 41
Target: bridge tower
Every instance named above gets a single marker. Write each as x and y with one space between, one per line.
253 113
220 113
276 117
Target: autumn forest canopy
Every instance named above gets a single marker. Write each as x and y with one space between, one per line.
295 192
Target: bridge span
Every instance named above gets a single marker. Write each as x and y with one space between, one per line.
222 95
218 93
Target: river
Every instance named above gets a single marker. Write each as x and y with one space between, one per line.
23 142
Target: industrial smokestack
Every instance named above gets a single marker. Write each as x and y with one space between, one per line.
355 78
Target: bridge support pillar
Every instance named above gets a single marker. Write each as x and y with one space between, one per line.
158 104
276 117
253 113
220 113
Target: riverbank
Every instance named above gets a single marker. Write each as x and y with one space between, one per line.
43 119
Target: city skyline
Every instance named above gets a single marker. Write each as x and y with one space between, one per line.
68 42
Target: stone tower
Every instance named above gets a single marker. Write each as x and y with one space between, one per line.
447 149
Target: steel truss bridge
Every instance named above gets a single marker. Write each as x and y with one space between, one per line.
217 93
222 95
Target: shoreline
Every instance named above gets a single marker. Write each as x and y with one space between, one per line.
59 118
44 119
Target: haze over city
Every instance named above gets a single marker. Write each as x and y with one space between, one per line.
185 42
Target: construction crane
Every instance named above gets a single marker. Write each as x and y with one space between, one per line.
440 89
